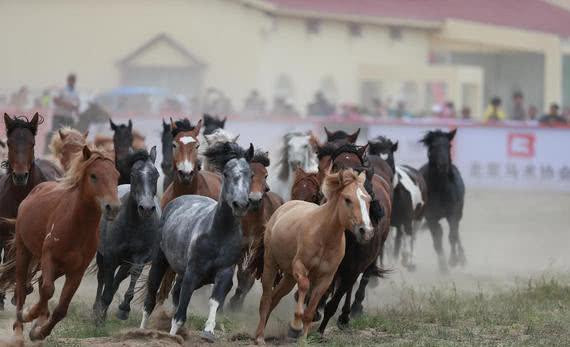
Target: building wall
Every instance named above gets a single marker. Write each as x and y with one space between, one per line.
242 47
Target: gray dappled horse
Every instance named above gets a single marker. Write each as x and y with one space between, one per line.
128 242
201 239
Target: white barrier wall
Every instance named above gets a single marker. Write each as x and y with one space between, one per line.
522 158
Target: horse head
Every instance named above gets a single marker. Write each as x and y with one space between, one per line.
122 139
306 187
299 150
166 140
66 144
21 134
438 144
212 123
185 146
341 137
259 164
384 148
144 177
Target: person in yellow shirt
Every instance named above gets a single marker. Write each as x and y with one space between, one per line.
494 112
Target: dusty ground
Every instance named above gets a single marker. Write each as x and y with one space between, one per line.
513 241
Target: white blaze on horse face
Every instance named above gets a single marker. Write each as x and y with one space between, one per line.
211 322
384 156
187 139
365 217
185 166
410 186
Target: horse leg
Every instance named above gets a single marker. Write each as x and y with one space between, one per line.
176 291
300 274
344 318
408 253
265 303
397 243
317 293
3 250
23 259
125 306
100 274
109 267
245 282
189 282
332 305
157 271
222 285
437 234
457 256
72 282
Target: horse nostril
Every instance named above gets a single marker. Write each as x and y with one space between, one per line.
235 204
108 208
153 208
362 231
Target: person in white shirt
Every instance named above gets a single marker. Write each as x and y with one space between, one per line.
66 107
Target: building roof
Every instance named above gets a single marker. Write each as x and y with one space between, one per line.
157 40
535 15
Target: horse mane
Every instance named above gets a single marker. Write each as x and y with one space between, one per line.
326 150
220 135
22 122
261 157
334 183
78 166
376 144
220 154
348 148
208 119
338 135
182 125
432 135
283 173
132 158
72 136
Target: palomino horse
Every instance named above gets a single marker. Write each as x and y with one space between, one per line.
57 228
306 242
306 187
123 145
360 255
262 205
210 140
410 196
166 164
65 144
298 150
202 239
128 241
446 193
23 174
212 123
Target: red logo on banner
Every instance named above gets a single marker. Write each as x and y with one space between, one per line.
521 145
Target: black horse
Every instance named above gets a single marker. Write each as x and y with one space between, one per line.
212 123
127 242
167 155
446 193
123 144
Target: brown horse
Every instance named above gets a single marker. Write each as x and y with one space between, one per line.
306 187
263 204
57 228
65 144
306 242
188 178
23 173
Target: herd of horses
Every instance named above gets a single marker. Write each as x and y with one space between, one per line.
323 224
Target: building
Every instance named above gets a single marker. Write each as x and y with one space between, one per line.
421 52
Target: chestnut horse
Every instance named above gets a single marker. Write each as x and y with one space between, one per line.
23 174
57 228
65 144
306 242
306 187
262 205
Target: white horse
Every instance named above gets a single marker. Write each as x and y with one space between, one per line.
219 135
298 150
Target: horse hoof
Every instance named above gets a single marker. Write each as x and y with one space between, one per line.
342 324
2 305
13 301
35 334
260 341
208 336
294 333
122 314
356 311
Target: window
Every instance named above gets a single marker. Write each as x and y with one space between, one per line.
355 29
396 33
313 26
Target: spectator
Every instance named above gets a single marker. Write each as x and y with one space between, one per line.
518 111
400 111
553 118
66 105
494 112
466 113
321 106
448 110
20 99
378 109
254 104
532 112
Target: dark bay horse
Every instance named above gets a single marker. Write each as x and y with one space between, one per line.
57 228
262 205
201 238
446 194
341 137
24 172
212 123
167 158
410 197
360 257
122 143
128 242
335 140
306 187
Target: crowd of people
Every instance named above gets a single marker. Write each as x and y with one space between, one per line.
65 103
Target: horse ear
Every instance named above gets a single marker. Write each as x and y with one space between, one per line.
153 154
86 134
113 125
86 152
362 150
353 137
172 124
130 125
235 139
395 147
249 153
7 121
329 134
2 144
451 134
62 135
198 126
224 122
35 121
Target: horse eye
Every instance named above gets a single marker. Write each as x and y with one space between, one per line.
347 201
173 145
197 146
93 177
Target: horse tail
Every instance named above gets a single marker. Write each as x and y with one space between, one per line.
8 221
166 286
378 271
255 260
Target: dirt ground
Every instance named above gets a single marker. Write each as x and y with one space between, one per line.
508 237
